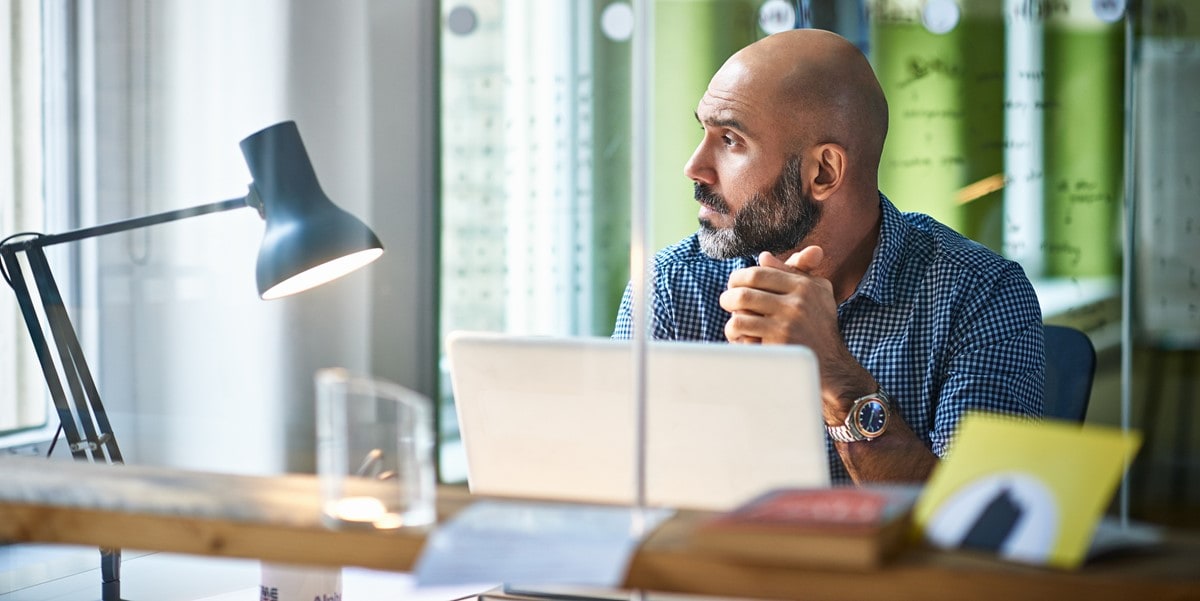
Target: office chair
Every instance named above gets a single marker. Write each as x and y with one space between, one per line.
1070 367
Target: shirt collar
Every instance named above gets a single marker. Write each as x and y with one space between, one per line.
875 283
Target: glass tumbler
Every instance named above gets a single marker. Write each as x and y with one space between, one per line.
374 453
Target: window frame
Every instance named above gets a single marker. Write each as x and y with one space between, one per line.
43 172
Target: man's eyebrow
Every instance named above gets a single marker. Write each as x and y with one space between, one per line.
726 122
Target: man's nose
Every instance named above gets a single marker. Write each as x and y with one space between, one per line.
698 167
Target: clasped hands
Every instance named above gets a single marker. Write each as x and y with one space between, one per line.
779 302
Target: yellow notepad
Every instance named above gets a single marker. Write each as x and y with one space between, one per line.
1028 491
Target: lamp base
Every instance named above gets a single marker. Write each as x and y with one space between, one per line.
110 574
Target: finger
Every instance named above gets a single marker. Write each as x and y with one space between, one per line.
767 259
747 300
746 340
731 331
807 260
737 328
767 279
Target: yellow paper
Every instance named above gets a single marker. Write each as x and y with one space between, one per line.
1030 491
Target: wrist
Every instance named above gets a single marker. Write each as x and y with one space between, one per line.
844 396
844 381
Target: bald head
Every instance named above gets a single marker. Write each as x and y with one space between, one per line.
823 86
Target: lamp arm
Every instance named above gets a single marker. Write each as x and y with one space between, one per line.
138 222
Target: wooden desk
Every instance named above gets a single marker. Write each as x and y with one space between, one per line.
665 562
277 519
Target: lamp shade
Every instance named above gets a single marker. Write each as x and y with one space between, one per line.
308 239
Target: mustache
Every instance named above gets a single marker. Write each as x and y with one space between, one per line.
704 195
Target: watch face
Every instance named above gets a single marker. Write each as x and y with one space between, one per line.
872 417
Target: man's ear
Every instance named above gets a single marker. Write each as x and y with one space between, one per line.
830 162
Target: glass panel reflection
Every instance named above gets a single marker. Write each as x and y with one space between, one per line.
1008 123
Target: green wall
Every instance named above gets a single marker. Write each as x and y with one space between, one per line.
692 39
946 113
1084 146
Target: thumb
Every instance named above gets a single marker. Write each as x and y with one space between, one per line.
766 259
808 259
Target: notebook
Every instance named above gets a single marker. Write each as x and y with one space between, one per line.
554 418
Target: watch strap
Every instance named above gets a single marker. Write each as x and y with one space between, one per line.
843 434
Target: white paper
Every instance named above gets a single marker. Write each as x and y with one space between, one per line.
531 543
360 584
1111 536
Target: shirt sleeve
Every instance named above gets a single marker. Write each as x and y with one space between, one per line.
623 329
662 322
998 364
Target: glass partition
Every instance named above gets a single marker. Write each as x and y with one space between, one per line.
1163 361
1031 127
537 143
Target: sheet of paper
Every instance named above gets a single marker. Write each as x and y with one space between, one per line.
1029 491
360 584
531 543
1113 537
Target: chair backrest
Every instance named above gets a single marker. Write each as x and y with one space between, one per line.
1070 367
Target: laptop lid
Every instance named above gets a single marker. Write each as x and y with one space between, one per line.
554 418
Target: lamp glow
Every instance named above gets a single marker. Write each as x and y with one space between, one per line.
364 510
325 272
358 509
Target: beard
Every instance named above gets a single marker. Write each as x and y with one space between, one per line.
775 220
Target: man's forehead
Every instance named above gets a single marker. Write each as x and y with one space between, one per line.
735 95
722 109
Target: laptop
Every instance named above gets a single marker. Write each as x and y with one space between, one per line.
553 418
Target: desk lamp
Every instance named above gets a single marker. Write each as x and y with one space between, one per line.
308 241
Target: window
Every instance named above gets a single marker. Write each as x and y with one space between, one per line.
25 412
143 106
536 112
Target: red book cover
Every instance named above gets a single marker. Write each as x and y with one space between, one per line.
857 527
836 508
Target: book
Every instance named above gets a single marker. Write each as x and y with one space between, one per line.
856 528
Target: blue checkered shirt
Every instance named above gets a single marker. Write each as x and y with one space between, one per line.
944 324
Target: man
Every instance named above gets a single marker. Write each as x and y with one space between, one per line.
912 324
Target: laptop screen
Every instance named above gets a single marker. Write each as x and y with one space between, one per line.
554 418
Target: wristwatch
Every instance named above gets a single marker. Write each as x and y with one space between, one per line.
868 419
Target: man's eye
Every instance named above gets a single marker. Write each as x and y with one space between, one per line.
727 140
